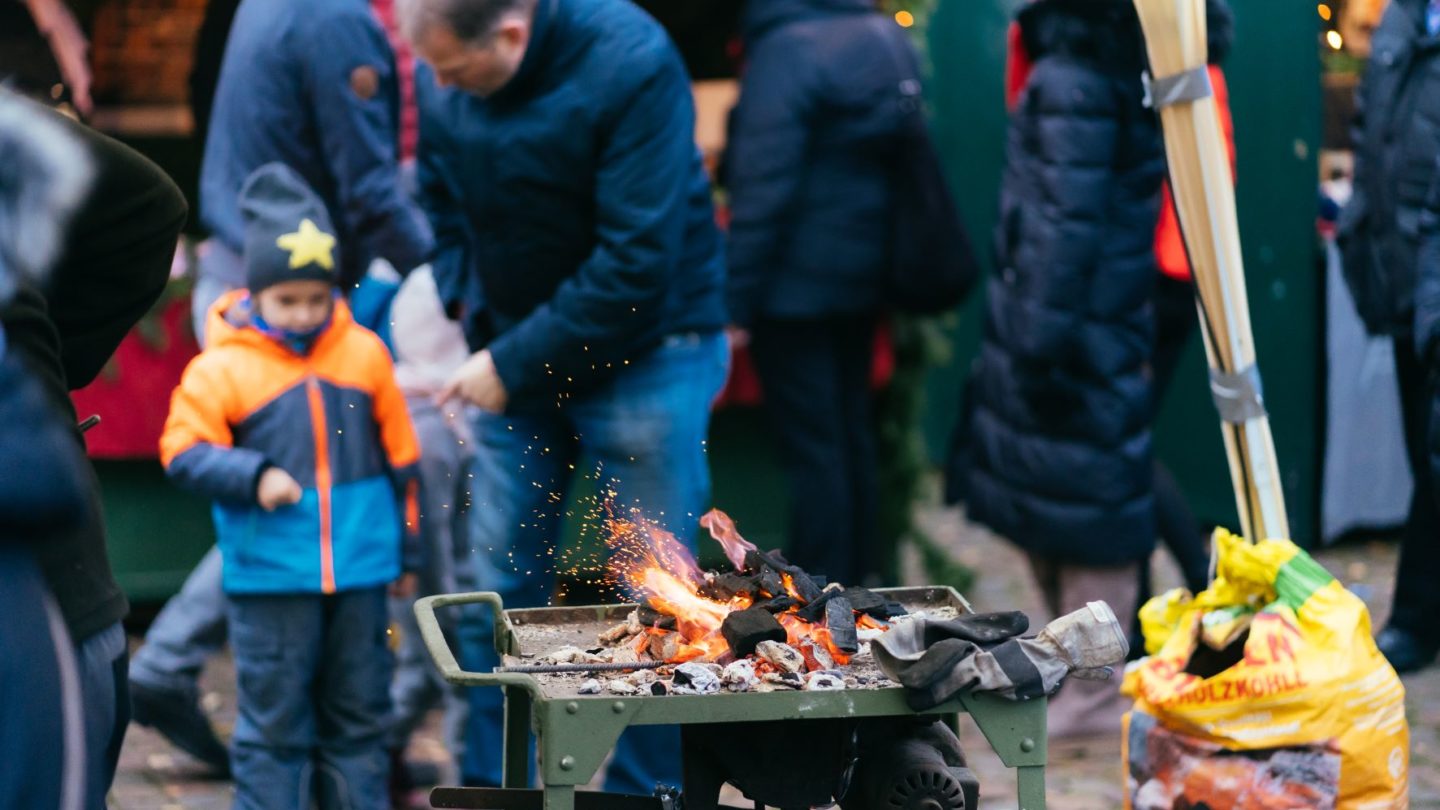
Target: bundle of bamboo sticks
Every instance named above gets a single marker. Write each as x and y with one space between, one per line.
1201 181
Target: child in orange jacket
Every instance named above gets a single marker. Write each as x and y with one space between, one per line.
292 421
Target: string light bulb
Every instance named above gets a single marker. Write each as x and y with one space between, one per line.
904 18
1334 39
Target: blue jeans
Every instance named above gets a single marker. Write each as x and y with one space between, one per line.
646 429
445 487
188 632
313 674
102 660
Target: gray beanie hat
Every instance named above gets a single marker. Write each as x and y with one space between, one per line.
288 235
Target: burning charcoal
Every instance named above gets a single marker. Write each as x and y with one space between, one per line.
620 686
640 645
866 601
788 680
816 656
624 655
778 604
805 587
617 633
743 629
647 616
739 676
724 587
895 609
756 561
665 647
840 620
814 612
694 679
659 689
824 682
769 583
782 656
590 687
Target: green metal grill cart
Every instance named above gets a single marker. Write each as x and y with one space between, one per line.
575 732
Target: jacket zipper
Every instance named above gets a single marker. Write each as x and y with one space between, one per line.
323 481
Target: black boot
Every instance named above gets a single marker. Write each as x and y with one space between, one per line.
176 715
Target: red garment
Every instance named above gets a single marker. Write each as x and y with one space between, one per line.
404 76
1170 252
1169 245
132 394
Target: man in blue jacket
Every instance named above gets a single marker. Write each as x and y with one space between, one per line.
576 243
312 85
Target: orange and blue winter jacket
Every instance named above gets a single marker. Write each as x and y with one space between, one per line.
333 419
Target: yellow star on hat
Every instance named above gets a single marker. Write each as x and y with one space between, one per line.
308 244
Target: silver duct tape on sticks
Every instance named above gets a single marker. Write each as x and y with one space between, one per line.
1189 85
1238 396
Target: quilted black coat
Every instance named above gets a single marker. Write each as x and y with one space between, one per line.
1058 450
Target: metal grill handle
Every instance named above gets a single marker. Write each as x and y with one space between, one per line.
444 657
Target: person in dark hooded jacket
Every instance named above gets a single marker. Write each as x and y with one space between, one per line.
44 173
110 267
1059 446
810 182
1397 142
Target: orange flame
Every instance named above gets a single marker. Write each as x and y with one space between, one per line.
656 568
722 528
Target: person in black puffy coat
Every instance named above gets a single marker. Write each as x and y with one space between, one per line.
1380 232
1058 457
809 172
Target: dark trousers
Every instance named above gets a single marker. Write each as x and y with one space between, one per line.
1176 320
816 379
1417 599
313 677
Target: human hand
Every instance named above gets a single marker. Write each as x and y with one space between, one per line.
69 47
477 382
404 587
277 489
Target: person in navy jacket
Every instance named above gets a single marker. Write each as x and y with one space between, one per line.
576 244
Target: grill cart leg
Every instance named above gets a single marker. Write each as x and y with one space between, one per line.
516 762
559 797
1031 784
1017 733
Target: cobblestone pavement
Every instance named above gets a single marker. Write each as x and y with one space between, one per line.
1084 775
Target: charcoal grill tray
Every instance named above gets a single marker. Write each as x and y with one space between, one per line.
538 631
575 732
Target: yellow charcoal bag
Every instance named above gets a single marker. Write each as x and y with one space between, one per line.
1311 716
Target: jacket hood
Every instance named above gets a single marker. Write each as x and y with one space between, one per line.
1108 31
228 323
762 16
44 172
1104 32
1220 28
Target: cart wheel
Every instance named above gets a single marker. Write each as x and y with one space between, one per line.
913 775
927 789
